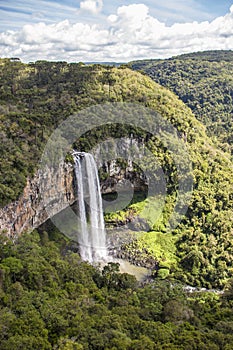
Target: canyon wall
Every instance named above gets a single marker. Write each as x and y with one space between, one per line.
49 191
53 190
117 159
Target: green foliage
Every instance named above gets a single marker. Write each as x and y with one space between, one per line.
80 307
158 245
35 98
204 82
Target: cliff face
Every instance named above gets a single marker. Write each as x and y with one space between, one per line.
117 159
30 210
52 190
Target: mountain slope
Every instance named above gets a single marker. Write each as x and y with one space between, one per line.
204 81
35 98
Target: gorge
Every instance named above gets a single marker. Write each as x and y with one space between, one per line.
51 297
54 189
38 97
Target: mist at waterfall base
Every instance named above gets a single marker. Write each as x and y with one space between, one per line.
91 228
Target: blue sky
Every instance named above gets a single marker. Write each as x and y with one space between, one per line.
112 30
14 14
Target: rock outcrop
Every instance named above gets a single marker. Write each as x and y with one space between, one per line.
48 192
52 190
117 159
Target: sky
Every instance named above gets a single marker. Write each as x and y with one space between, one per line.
112 31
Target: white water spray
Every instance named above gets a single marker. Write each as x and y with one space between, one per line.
92 234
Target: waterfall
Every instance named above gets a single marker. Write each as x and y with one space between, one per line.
92 234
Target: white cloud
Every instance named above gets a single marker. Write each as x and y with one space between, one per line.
128 34
91 6
135 11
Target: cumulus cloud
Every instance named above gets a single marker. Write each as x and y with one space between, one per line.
91 6
130 33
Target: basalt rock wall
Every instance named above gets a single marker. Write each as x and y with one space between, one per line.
52 190
48 191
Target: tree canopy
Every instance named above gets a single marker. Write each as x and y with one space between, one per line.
36 97
50 299
204 82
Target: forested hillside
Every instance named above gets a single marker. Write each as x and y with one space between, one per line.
204 81
50 299
36 97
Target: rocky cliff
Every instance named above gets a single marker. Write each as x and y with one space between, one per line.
50 191
53 190
118 160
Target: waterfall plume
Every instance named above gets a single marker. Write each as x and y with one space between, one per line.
91 228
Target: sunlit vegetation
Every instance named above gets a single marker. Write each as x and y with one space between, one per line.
50 299
36 97
203 81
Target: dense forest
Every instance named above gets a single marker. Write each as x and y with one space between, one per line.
51 299
36 97
204 82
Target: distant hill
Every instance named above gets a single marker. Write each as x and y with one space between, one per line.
203 81
115 64
211 56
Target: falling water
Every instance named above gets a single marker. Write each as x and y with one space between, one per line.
92 235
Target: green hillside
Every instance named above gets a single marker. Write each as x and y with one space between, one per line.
50 299
35 98
204 81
